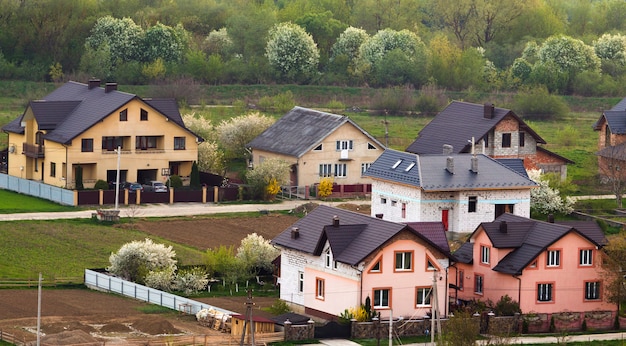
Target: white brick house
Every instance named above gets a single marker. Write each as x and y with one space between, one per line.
459 190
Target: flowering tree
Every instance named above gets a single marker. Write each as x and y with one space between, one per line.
256 253
235 133
569 54
292 51
348 44
611 49
325 187
122 36
211 158
264 173
547 200
191 280
136 259
165 42
218 42
394 53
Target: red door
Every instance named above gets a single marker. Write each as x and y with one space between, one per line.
444 218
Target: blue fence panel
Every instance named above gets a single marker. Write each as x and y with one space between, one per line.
37 189
104 282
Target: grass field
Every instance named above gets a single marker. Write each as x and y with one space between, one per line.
13 202
64 248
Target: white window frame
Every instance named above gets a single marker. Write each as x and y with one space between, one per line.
379 297
346 144
585 257
553 258
365 166
328 258
326 170
320 286
485 254
341 170
423 296
404 261
545 292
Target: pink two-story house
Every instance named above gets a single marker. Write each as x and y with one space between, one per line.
547 267
333 259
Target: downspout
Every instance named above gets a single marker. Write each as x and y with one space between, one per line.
67 165
519 289
360 284
456 282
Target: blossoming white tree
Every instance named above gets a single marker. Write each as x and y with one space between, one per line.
547 200
235 133
569 54
348 44
256 253
292 51
136 259
268 171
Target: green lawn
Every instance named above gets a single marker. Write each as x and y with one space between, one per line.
13 202
64 248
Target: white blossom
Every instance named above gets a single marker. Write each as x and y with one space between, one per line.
545 199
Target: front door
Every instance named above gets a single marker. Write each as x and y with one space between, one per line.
444 218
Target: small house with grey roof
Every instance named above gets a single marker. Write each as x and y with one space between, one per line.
82 125
459 190
334 259
497 132
547 267
611 127
318 145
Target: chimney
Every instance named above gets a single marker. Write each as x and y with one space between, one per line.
110 87
335 221
474 164
450 164
489 111
93 83
551 218
503 227
379 216
295 233
447 149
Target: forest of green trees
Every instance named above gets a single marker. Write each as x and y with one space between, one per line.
572 47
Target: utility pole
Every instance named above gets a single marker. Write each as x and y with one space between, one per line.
39 310
386 123
117 177
249 307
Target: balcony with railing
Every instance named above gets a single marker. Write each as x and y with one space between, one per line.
33 150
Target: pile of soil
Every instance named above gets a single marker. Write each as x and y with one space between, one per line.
71 337
155 326
60 327
115 328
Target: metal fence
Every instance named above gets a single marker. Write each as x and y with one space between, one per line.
37 189
105 282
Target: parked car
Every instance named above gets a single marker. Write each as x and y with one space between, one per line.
155 186
132 187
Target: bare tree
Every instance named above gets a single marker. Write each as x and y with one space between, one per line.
612 165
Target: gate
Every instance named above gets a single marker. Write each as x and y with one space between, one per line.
332 329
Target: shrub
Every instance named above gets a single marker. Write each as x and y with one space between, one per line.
506 306
461 330
160 279
567 136
538 103
393 100
191 281
431 99
136 259
325 187
335 104
279 307
101 185
174 181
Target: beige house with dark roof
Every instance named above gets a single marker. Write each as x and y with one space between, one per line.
318 145
84 124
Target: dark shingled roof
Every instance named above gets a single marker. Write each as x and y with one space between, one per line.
301 130
73 108
429 172
357 235
458 123
433 231
465 253
295 319
615 118
515 164
528 238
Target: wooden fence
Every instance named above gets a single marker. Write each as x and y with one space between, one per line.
179 340
34 282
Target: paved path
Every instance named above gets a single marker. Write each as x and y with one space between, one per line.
177 209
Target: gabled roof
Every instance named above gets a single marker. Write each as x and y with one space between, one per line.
429 172
615 118
458 123
73 108
528 238
617 152
301 130
351 241
433 231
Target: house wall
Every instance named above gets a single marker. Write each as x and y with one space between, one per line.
510 125
428 206
309 164
96 163
568 280
403 285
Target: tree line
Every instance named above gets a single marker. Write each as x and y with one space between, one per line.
569 47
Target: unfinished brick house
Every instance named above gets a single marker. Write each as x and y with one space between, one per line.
611 152
496 132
